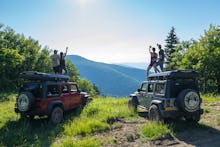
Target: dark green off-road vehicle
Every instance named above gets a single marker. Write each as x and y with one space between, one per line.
171 94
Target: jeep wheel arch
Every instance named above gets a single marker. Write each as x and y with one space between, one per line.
24 101
132 106
189 100
154 113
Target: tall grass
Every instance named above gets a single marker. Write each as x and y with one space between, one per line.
210 98
98 116
153 130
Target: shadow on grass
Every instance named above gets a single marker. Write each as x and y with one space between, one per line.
196 134
36 132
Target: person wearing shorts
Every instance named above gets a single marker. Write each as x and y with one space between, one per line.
153 59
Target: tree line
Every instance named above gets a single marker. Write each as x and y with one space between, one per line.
202 55
19 53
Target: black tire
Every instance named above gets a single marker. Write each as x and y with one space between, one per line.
24 101
154 113
132 106
56 115
188 100
84 101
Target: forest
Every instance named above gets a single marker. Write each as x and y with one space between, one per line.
19 53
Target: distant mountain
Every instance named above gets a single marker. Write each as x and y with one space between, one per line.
139 65
112 80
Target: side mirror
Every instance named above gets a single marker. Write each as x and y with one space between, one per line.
78 91
139 90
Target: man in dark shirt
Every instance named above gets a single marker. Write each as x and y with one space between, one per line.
62 62
161 59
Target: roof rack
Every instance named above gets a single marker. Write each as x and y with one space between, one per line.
34 75
186 74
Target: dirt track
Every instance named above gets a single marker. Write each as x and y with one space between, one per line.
127 136
205 133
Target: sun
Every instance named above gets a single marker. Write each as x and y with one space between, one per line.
82 3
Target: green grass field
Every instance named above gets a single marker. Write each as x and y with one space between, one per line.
80 125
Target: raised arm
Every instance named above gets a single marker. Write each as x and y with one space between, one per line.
149 49
66 51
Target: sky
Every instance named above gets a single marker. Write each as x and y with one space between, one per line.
110 31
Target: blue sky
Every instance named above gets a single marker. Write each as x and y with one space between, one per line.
110 31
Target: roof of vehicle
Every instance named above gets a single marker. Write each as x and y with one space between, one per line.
174 74
33 75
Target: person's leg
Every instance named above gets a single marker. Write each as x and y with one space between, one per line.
161 65
66 70
155 68
148 69
54 69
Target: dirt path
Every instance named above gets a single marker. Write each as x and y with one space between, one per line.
127 135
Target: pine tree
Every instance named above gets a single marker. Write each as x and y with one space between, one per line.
171 41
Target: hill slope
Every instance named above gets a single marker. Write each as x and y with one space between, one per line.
112 80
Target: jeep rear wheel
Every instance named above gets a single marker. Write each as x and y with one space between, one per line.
56 116
154 113
189 100
25 101
132 106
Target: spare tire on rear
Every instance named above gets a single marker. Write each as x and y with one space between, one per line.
25 101
189 100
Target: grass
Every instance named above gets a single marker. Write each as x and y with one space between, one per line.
80 127
97 117
210 98
153 130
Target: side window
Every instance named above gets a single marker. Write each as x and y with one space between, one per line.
144 87
73 88
150 87
64 89
160 89
53 90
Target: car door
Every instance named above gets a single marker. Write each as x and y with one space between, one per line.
76 98
149 94
66 96
142 93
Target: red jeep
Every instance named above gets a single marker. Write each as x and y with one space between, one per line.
48 94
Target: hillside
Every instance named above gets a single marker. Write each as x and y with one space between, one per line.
112 80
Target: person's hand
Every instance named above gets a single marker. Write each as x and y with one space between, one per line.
150 46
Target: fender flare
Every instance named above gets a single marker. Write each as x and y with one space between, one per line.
134 100
54 103
158 103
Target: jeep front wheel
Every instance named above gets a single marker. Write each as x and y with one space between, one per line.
154 113
132 106
56 116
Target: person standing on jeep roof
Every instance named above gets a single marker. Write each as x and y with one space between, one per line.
161 59
62 62
153 60
56 62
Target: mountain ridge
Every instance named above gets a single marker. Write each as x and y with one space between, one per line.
111 79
